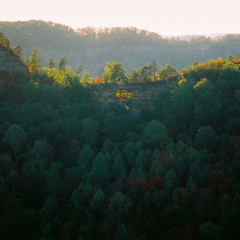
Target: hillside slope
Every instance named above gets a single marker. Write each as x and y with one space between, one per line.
93 48
9 62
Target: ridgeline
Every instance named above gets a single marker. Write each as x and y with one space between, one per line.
93 48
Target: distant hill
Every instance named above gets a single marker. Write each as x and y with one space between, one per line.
188 37
93 48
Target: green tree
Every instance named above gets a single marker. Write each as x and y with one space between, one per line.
147 73
97 200
172 180
156 134
51 63
86 156
114 72
100 172
194 171
115 152
118 167
116 126
62 66
41 150
73 176
90 130
119 207
32 178
15 137
99 176
75 199
49 209
4 41
79 69
18 51
208 104
154 67
141 160
86 78
85 191
181 106
134 76
33 62
206 138
128 154
137 173
54 181
167 72
159 170
107 146
180 167
159 200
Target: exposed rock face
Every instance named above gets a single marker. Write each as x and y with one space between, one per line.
142 95
9 62
135 97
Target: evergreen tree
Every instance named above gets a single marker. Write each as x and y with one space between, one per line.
15 137
41 150
54 181
86 156
18 51
51 63
128 154
118 167
97 201
100 172
141 160
119 207
90 130
33 62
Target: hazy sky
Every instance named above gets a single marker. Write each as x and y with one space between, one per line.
166 17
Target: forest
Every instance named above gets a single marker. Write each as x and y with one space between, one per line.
170 173
93 48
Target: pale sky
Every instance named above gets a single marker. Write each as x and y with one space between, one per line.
166 17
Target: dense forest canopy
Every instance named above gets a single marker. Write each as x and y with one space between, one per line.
169 173
93 48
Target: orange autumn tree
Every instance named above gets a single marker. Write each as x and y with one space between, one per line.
98 80
219 63
236 60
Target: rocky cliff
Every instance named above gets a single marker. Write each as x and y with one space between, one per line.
9 62
135 97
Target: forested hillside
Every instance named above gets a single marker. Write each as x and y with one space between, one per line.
170 173
93 48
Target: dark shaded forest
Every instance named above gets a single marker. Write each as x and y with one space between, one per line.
170 173
93 48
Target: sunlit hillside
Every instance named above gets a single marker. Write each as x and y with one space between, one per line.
93 48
